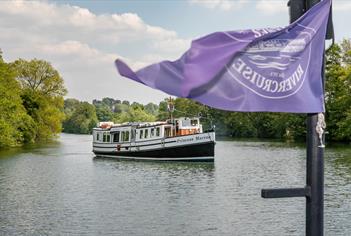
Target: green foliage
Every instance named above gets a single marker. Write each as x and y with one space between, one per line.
126 102
263 125
344 127
151 108
120 108
109 102
40 77
163 114
182 107
338 91
237 124
80 117
135 114
31 102
16 126
110 109
136 105
50 116
42 91
104 113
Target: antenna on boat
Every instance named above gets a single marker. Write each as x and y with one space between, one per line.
170 108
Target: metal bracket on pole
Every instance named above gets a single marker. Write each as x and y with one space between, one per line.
286 192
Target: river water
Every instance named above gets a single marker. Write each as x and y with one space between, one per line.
61 189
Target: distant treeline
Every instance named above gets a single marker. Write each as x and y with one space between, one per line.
32 107
81 117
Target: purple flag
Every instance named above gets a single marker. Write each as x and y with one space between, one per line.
273 69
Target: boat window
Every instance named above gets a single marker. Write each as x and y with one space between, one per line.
158 131
104 137
152 132
108 137
186 123
132 134
146 133
126 136
116 137
97 136
141 134
194 122
167 131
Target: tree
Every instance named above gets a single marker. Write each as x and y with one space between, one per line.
151 108
182 107
103 113
134 115
163 113
81 117
16 127
136 105
238 124
70 105
346 49
42 95
109 102
119 108
338 90
126 102
40 77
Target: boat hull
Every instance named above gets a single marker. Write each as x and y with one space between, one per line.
194 152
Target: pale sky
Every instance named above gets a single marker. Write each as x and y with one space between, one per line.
83 38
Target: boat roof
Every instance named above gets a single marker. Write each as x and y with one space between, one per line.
107 125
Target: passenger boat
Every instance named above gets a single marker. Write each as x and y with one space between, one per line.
180 139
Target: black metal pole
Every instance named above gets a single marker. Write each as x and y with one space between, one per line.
315 169
314 189
314 179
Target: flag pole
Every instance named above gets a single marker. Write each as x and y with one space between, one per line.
314 179
314 189
315 161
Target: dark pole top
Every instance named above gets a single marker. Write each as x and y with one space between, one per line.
296 9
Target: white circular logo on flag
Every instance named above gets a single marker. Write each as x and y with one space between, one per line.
274 68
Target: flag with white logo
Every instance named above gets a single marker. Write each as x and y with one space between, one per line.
272 69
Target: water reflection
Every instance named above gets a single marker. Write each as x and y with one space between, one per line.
338 189
159 165
340 156
38 148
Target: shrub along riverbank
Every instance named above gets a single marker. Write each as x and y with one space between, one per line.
32 107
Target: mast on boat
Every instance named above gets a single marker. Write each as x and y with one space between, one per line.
170 108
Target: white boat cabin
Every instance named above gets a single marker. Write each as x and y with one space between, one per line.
108 132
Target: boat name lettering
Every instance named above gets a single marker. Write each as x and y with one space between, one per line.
185 140
202 138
